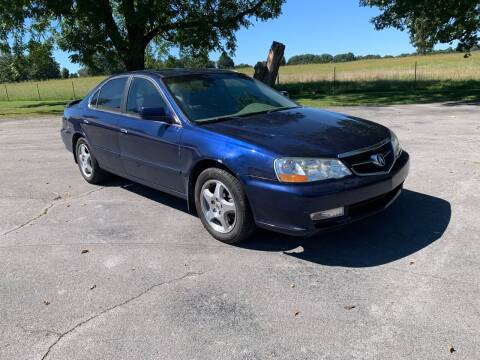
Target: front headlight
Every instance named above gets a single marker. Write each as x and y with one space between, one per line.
397 149
301 170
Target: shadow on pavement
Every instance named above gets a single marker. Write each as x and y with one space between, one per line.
464 102
149 193
413 222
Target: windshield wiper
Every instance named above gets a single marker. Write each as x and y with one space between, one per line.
217 119
268 111
282 108
240 116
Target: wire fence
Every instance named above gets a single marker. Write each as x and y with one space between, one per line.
370 75
61 89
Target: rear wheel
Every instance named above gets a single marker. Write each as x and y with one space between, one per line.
222 206
87 163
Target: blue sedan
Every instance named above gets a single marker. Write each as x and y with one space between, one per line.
241 154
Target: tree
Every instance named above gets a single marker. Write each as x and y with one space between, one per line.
344 57
242 65
172 62
83 72
19 65
310 59
41 64
123 29
65 73
431 22
102 64
196 59
6 71
225 61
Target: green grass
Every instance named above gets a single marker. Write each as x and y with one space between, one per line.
382 92
60 89
390 98
431 67
23 109
440 77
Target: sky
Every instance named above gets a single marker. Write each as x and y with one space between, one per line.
311 26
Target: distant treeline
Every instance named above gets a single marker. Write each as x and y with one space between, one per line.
328 58
31 61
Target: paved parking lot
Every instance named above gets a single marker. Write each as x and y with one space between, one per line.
152 284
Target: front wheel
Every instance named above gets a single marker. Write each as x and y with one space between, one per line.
222 206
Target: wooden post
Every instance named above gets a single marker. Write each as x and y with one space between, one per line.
267 71
415 83
6 92
334 78
38 92
73 88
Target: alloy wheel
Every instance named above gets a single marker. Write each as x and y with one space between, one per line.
85 160
218 206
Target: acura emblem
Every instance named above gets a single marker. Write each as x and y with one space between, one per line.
378 160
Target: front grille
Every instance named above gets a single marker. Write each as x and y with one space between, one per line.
363 163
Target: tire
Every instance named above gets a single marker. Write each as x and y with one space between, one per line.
226 223
91 172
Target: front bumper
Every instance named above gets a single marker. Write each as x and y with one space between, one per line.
286 208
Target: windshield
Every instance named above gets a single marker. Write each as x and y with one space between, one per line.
207 97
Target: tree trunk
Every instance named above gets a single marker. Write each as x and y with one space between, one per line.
267 71
134 59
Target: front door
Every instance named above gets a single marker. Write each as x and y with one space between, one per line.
149 149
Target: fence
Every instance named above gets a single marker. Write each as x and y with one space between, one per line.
373 75
446 71
66 89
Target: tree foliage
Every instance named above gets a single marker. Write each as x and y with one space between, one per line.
431 22
6 71
121 30
41 64
31 61
344 57
65 73
310 59
225 61
327 58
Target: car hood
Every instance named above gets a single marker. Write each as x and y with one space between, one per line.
303 132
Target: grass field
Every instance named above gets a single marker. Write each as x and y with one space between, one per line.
433 67
440 77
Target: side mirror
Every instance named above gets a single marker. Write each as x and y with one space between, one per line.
285 93
154 113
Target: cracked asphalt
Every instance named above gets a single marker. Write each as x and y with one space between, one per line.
154 285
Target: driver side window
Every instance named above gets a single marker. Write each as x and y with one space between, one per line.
143 93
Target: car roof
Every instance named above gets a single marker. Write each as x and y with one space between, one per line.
165 73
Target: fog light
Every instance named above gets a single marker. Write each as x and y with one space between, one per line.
327 214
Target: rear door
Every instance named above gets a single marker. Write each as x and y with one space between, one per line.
150 149
100 123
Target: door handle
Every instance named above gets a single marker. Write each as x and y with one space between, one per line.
124 131
85 121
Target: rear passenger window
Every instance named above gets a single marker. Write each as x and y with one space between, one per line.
143 93
110 97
